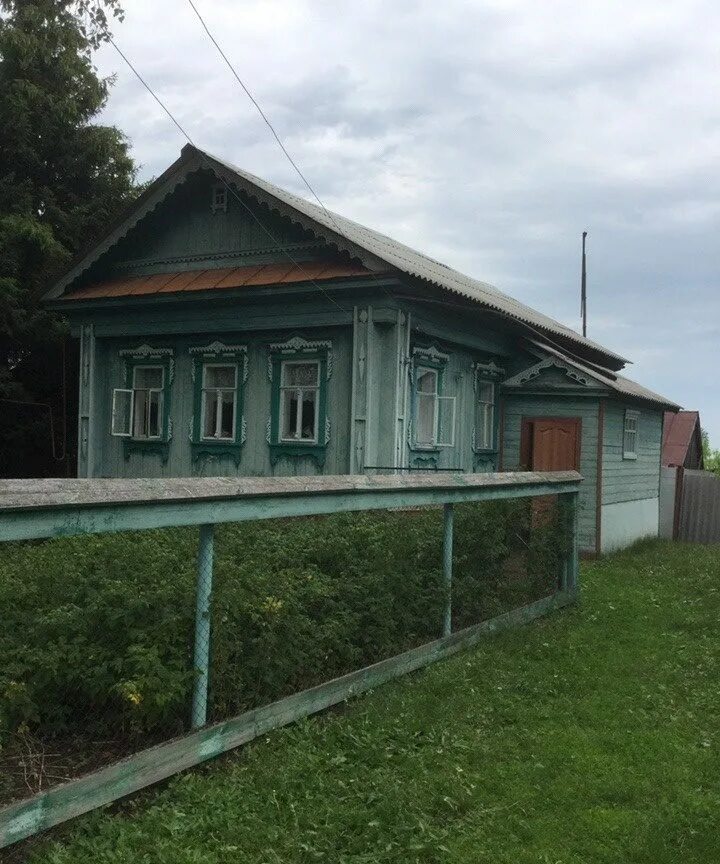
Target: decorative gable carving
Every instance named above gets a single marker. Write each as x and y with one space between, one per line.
528 375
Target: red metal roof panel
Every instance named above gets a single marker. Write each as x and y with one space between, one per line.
678 431
220 278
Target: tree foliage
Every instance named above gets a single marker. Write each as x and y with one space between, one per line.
711 457
62 176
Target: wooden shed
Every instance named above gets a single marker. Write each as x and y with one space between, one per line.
228 327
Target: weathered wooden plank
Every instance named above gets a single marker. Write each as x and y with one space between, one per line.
150 766
97 506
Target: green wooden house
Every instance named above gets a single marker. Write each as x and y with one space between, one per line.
228 327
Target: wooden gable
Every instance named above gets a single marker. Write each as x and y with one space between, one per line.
553 374
204 224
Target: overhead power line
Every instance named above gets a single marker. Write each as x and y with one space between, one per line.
282 146
264 117
219 176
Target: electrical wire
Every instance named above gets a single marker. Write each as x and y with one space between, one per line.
219 176
272 129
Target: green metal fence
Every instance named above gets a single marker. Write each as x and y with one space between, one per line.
42 510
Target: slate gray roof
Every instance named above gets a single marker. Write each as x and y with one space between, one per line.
376 250
413 263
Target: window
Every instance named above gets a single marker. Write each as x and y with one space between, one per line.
299 425
426 413
434 413
218 427
299 400
147 401
630 434
138 411
485 420
219 401
219 199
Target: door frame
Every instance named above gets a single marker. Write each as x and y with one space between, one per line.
526 436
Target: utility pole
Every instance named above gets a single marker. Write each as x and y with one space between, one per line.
583 288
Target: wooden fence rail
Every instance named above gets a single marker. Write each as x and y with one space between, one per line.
54 508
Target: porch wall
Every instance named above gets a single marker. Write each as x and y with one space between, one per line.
631 487
517 407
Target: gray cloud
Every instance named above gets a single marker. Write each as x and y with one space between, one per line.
489 136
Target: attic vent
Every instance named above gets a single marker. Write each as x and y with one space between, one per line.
219 199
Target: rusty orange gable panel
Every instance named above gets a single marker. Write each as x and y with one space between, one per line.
217 279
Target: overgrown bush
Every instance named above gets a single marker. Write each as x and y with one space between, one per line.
97 631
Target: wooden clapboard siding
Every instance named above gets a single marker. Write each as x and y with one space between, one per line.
540 405
110 459
185 227
631 479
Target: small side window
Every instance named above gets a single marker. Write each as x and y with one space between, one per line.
630 434
218 201
485 416
122 410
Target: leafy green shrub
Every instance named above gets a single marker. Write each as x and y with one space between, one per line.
97 630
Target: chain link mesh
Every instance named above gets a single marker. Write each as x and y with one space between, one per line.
111 643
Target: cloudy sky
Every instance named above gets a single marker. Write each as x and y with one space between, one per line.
487 134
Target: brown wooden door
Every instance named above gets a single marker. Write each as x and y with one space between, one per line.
555 444
549 444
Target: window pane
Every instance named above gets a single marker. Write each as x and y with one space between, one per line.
446 421
426 381
425 433
140 413
121 412
210 412
154 413
300 374
227 413
307 425
484 426
289 413
220 376
488 430
486 393
147 377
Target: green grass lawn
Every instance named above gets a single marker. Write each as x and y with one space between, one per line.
591 736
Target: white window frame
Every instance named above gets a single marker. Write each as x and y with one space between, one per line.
161 401
127 392
485 416
634 417
218 405
435 443
299 391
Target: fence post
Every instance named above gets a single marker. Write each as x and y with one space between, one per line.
198 716
448 519
570 570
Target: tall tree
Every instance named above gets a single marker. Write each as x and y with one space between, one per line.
62 178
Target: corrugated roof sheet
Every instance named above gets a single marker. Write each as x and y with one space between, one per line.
678 431
414 263
217 279
618 383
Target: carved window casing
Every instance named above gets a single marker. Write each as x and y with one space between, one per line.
485 381
299 424
432 416
218 427
141 409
